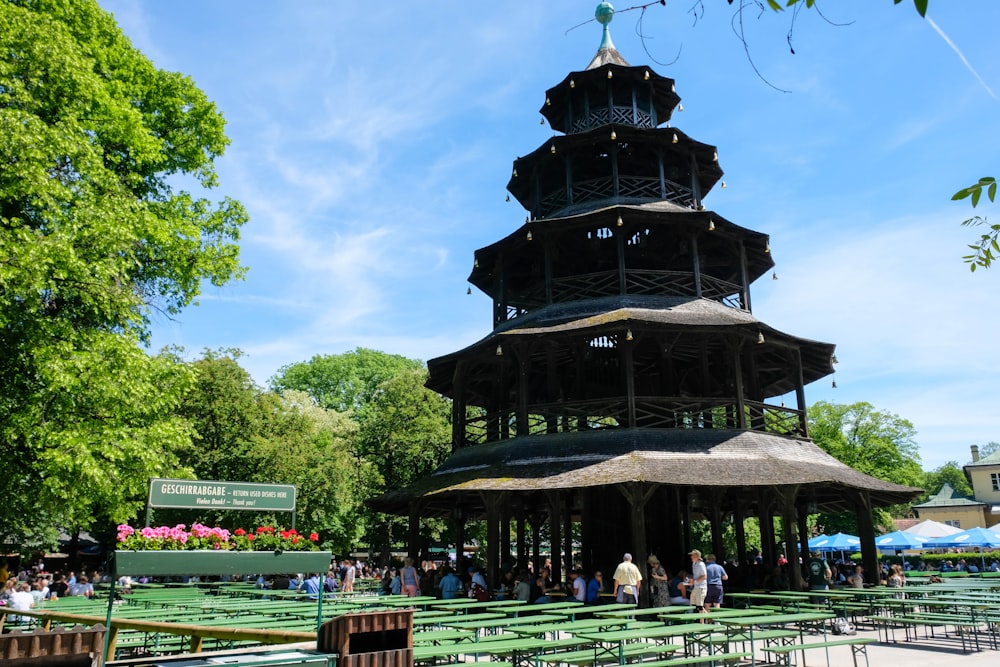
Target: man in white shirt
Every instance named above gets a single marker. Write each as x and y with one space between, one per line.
627 578
579 585
21 600
699 580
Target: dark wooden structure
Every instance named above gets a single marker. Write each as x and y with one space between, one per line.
626 385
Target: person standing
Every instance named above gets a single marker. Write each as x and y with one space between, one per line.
715 574
627 581
579 585
660 582
411 580
819 574
699 580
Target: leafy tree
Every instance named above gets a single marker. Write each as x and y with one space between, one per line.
246 434
343 382
876 443
405 433
94 238
949 473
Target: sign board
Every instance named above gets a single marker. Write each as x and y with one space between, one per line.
202 494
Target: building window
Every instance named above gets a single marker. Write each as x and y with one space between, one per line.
995 479
955 523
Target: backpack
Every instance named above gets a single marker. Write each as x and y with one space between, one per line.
477 592
841 626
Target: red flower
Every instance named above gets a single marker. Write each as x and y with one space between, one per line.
295 539
251 537
285 534
239 532
293 532
261 530
314 537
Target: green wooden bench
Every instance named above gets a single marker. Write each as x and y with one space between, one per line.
707 659
592 657
857 644
888 624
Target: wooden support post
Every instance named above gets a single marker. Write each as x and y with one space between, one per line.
789 523
568 532
555 526
803 516
739 516
866 532
536 540
522 535
493 501
766 522
413 537
505 534
459 516
638 494
715 518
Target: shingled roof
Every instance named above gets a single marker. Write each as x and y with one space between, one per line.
683 457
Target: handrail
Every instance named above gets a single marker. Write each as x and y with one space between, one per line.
197 632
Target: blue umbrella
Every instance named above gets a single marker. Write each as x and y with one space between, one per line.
814 540
973 537
837 542
898 541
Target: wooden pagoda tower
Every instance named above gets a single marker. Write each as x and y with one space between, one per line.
626 385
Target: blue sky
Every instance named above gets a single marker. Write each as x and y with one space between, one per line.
371 143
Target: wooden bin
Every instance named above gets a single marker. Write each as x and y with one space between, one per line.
370 639
67 647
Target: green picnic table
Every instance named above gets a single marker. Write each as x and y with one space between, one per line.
751 623
614 641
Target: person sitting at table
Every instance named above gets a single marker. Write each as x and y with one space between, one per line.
522 586
539 592
450 584
595 587
857 579
579 586
678 590
777 580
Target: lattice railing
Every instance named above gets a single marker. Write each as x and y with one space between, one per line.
660 283
622 115
586 286
637 281
653 412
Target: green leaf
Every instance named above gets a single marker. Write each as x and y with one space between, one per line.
976 194
992 191
921 6
961 194
776 7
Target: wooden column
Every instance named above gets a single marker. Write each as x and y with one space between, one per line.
803 515
715 518
741 410
744 279
536 539
523 358
458 407
638 494
626 357
739 516
764 518
522 535
493 503
413 537
866 532
459 536
789 523
555 539
696 265
568 531
505 533
800 395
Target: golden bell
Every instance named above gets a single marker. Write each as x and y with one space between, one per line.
613 135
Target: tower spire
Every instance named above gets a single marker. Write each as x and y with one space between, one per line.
606 52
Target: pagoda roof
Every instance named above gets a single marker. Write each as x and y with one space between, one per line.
759 259
680 457
597 316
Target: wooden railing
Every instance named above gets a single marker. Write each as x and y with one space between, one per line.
656 412
197 633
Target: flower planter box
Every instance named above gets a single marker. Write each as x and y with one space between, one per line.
179 563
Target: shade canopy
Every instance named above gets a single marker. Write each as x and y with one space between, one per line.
898 541
814 540
837 542
930 528
973 537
